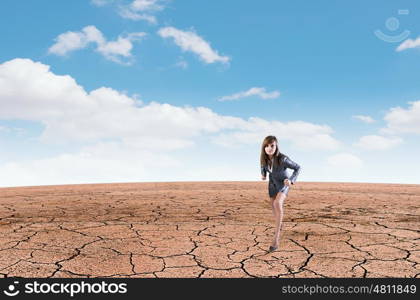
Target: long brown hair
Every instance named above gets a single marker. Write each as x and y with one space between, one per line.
264 159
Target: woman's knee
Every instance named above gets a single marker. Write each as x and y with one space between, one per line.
280 199
281 196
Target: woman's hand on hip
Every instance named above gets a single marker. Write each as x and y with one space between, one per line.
287 182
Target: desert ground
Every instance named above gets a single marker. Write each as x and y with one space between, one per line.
209 229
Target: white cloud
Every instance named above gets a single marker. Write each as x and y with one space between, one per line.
13 130
254 91
112 50
120 133
401 120
302 135
71 41
377 142
345 161
365 119
408 44
121 47
181 63
146 5
135 10
141 10
102 162
69 113
128 13
190 41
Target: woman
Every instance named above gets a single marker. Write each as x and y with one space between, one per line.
276 163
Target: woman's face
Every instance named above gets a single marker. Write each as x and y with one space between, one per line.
270 149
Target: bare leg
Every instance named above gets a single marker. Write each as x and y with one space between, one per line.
277 204
272 206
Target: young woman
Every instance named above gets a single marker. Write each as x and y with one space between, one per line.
276 163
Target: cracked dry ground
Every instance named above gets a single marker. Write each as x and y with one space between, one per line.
210 229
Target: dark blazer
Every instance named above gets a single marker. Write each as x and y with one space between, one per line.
279 173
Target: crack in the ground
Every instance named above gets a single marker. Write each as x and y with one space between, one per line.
175 234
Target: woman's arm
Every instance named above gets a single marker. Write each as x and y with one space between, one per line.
292 165
263 172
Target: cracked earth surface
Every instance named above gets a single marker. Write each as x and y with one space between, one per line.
209 229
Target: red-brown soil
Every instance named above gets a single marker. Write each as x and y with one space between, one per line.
209 229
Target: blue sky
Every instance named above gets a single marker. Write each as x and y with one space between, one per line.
167 90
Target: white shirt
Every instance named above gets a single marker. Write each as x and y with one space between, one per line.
271 167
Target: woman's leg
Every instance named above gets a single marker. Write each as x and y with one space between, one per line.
277 205
272 206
